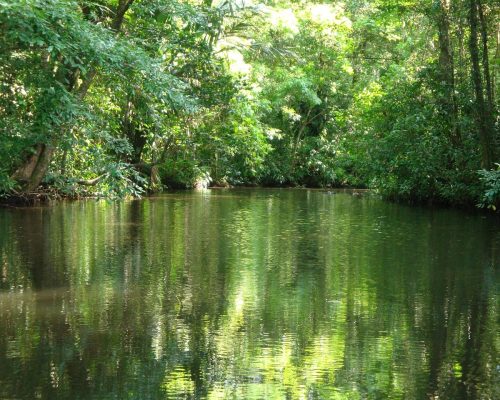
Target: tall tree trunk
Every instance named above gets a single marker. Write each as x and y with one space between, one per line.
24 172
483 119
447 69
496 63
461 69
489 82
41 168
486 62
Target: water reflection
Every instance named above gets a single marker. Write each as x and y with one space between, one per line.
248 295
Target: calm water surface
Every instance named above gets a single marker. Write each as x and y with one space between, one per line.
248 294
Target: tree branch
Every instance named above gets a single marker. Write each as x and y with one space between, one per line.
117 21
91 182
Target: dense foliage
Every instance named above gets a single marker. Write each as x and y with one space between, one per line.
121 97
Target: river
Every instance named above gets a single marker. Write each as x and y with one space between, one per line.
248 294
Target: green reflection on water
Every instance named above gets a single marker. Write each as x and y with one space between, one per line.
248 294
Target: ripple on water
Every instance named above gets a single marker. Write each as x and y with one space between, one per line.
247 294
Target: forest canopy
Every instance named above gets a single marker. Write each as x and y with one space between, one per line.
121 98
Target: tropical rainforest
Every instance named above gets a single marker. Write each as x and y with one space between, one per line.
120 98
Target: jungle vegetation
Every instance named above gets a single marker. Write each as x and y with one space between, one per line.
117 98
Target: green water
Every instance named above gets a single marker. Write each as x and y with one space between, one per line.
248 294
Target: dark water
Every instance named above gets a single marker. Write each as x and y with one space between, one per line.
248 294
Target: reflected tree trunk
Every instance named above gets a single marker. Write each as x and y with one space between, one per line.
479 355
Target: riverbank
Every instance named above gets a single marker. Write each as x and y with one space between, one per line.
48 196
52 197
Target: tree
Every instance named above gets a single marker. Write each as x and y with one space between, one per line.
111 97
483 109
